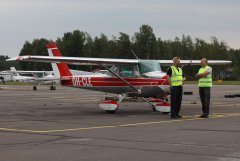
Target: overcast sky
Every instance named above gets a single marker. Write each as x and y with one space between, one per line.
23 20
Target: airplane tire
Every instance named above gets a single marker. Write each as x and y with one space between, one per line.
110 111
52 88
34 88
165 113
154 109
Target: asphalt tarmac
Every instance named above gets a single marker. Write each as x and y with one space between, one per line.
67 125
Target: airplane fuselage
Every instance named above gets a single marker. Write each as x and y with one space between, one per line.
149 87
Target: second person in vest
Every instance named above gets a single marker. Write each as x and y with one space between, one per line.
204 77
175 79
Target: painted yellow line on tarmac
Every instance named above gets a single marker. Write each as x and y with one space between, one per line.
64 98
51 131
83 98
186 118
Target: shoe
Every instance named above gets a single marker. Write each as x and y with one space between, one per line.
179 117
174 117
203 116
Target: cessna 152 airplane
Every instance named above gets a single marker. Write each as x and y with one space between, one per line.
126 77
37 78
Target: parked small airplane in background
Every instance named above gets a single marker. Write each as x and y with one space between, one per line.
126 77
37 78
5 76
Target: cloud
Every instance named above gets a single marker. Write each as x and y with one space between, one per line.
23 20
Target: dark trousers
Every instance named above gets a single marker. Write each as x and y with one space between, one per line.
204 93
176 100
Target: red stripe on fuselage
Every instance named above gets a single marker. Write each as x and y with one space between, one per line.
101 82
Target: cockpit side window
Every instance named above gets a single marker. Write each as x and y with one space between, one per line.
126 71
146 66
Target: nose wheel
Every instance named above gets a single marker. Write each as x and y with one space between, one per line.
110 111
52 88
34 88
161 105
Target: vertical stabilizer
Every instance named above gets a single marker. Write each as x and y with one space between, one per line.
14 71
60 69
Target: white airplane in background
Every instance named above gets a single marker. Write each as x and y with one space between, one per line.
15 76
5 76
126 77
37 77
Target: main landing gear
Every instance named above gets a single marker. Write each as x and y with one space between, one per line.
51 88
34 88
110 104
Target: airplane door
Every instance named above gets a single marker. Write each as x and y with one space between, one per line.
128 71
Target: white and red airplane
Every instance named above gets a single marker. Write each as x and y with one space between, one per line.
46 77
126 77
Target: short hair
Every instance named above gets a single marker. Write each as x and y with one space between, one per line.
205 59
175 59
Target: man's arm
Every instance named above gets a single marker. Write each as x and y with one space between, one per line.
184 78
205 74
169 73
169 80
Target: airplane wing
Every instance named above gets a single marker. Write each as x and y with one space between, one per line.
74 60
5 73
105 61
29 72
195 62
51 79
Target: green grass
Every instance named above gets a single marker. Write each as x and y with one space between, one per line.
215 82
16 83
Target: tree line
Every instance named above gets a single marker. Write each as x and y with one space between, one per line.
6 65
144 43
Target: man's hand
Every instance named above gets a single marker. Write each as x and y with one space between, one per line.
183 82
169 80
198 76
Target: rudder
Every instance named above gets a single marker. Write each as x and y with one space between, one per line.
60 69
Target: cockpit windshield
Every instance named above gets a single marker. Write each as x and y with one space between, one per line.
125 71
146 66
136 70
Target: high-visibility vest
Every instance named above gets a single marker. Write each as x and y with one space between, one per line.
205 81
176 77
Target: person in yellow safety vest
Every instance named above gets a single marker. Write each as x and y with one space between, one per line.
175 79
204 77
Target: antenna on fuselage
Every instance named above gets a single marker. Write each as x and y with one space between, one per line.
135 55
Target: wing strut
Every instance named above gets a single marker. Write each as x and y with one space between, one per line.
138 91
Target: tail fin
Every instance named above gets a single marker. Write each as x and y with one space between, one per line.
13 69
59 69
